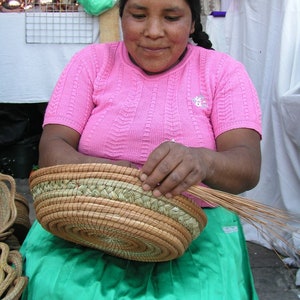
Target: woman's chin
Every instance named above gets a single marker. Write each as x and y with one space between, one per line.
152 70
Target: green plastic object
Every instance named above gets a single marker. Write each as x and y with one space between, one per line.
97 7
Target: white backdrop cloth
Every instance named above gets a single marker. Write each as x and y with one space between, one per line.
265 36
29 71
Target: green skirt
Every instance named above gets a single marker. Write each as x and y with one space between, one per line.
215 267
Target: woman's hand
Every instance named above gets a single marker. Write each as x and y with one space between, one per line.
172 168
234 167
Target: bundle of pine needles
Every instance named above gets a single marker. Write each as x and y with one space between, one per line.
271 222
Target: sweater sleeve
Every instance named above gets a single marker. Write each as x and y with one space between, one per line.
71 102
236 103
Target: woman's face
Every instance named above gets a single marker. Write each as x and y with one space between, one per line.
156 32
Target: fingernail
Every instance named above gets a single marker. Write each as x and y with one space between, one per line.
143 177
169 195
156 193
146 187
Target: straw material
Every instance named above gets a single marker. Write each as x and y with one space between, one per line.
14 213
104 207
8 210
22 223
12 283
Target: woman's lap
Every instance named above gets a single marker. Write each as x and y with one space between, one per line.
215 266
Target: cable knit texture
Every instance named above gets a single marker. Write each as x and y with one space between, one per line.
123 113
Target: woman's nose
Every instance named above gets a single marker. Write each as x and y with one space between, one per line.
154 28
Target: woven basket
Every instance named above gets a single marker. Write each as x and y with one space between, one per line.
8 210
22 223
12 283
104 207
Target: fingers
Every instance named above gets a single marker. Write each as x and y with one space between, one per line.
177 182
170 170
155 159
158 166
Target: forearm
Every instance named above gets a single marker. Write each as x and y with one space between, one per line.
57 152
234 171
59 145
233 167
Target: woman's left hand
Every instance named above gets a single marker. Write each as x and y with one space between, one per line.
233 167
172 168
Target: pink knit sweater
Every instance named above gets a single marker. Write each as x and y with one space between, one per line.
123 113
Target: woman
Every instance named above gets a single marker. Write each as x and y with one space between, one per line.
181 113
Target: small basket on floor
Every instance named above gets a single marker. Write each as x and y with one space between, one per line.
104 207
8 210
22 223
12 283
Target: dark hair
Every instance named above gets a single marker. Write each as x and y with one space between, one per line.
199 36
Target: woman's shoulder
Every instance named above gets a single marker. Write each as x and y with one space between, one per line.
212 56
216 62
99 50
96 57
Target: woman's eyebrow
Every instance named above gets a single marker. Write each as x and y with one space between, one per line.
137 6
141 7
173 9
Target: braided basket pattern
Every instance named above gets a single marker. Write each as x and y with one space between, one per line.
103 206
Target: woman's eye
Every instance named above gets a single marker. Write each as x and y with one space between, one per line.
138 16
172 18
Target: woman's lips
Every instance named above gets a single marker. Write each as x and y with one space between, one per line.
154 49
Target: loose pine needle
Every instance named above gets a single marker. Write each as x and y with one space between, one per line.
269 221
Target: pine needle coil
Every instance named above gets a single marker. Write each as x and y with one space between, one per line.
12 283
104 207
